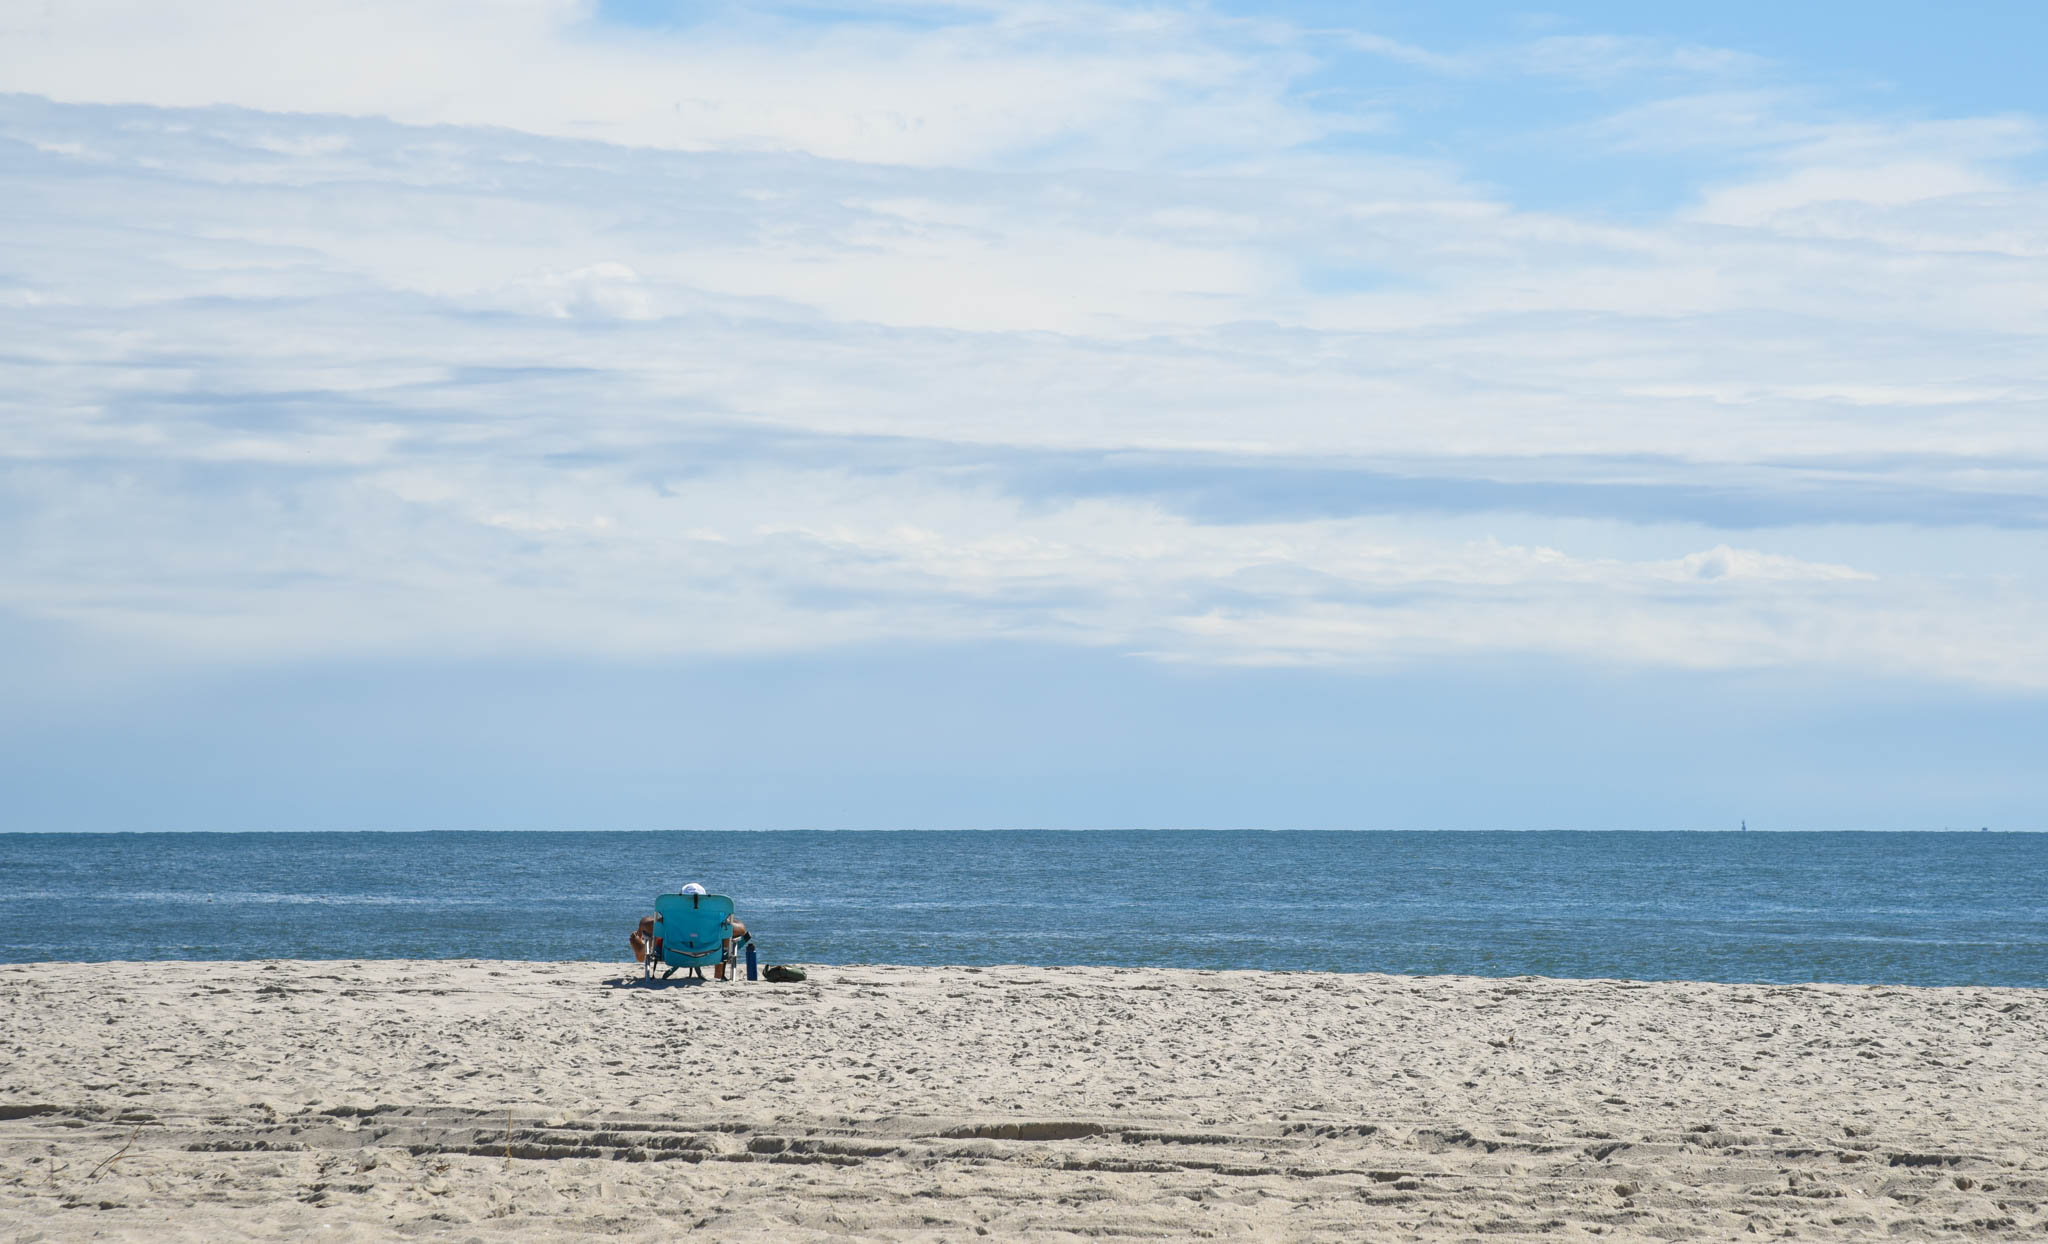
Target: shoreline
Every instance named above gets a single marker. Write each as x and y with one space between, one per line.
618 970
261 1099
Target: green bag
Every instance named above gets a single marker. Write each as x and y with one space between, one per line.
782 974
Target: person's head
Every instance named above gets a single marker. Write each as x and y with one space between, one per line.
693 888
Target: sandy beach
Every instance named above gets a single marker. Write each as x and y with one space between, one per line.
498 1100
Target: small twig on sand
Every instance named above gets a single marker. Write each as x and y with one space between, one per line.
121 1153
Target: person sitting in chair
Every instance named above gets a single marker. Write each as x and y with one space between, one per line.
642 938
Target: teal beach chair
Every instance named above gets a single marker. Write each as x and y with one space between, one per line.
691 930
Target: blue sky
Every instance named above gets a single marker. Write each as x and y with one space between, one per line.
550 413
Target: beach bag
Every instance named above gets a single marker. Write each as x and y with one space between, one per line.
782 974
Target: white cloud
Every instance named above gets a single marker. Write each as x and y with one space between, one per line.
958 86
1886 185
1723 563
599 290
1058 350
1605 57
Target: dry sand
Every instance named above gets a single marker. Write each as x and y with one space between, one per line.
337 1101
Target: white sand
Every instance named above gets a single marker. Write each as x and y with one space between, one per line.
338 1101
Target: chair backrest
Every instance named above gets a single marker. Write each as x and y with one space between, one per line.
692 927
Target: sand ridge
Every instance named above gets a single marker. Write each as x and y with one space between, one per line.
482 1100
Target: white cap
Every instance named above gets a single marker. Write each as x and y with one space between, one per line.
693 888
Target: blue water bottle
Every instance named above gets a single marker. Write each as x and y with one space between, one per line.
752 973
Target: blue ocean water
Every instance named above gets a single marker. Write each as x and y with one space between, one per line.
1924 909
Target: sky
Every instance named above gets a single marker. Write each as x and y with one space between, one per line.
539 414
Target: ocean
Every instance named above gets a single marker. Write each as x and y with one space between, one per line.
1895 908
